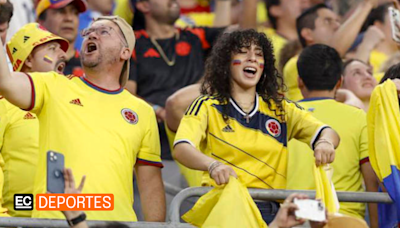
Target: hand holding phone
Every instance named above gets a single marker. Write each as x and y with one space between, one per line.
55 176
312 210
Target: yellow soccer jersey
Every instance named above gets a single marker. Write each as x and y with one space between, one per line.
20 152
193 177
256 149
377 59
290 75
3 122
351 125
101 133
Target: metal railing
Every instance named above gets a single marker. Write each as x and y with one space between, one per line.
52 223
275 194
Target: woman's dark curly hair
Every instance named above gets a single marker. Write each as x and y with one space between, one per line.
217 80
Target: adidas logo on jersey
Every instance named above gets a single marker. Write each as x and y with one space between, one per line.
29 116
227 129
76 102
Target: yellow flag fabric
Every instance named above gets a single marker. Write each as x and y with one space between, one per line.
384 148
384 129
225 207
325 190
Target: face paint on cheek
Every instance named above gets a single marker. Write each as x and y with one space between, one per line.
262 65
236 62
47 59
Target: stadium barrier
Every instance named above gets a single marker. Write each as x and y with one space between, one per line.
274 194
52 223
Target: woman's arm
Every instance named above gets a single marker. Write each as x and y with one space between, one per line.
192 158
324 147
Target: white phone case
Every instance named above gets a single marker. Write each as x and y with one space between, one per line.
394 15
310 210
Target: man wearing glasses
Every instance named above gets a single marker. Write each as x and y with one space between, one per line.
102 130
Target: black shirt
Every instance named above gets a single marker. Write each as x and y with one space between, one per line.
156 81
73 66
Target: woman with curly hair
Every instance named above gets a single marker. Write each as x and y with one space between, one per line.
241 124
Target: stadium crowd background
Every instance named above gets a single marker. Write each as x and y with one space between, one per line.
333 81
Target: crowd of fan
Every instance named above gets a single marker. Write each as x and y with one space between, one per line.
329 54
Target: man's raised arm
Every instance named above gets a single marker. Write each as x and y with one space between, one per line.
14 86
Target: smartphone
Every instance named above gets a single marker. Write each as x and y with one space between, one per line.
312 210
394 15
55 172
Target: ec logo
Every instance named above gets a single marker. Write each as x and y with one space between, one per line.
23 202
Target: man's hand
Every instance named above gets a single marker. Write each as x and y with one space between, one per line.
161 114
71 189
3 2
221 174
324 152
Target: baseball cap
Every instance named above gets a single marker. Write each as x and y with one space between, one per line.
26 39
130 39
57 4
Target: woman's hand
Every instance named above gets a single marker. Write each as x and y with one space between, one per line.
220 173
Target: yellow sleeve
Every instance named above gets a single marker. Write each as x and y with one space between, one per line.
193 126
124 9
290 75
150 152
302 125
40 83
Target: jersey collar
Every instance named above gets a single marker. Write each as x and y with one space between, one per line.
237 107
106 91
316 99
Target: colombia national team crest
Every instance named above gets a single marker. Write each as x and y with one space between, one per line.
130 116
273 127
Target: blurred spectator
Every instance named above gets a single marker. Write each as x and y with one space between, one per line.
62 18
359 80
95 9
21 136
6 13
393 60
282 16
26 14
320 70
242 113
320 25
125 9
380 18
291 48
179 55
113 149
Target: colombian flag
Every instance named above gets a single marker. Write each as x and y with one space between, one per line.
384 148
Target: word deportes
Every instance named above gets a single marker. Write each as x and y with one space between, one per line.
65 202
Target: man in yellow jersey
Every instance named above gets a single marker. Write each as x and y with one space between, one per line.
31 49
103 131
358 78
320 77
320 25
